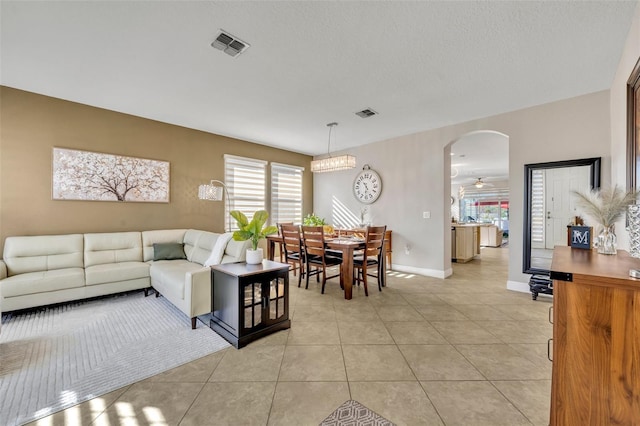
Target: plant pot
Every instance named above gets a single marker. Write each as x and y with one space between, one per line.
254 256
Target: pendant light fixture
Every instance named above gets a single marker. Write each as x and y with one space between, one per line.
333 164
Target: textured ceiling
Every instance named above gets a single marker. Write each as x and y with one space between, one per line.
421 65
480 155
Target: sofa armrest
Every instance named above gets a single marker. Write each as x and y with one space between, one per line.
198 291
3 270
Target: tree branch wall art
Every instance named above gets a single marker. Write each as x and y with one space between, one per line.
84 175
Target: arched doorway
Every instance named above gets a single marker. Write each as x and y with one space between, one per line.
479 193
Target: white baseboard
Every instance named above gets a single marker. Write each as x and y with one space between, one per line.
518 286
423 271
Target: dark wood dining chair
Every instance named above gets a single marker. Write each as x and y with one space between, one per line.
371 258
281 245
316 257
292 249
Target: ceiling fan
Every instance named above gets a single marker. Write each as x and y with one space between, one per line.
479 183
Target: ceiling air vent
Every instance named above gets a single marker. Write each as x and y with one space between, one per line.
365 113
229 44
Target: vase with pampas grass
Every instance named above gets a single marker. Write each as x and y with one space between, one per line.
605 207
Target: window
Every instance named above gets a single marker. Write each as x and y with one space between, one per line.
537 208
286 193
246 181
486 206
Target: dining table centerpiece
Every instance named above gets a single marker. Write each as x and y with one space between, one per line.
253 230
605 207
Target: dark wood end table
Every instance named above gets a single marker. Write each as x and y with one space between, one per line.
249 301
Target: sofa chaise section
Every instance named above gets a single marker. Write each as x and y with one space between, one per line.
186 283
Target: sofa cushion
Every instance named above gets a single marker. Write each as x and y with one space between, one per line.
112 247
149 238
168 251
115 272
168 276
42 281
237 250
43 253
198 245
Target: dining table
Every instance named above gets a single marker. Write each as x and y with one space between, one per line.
347 245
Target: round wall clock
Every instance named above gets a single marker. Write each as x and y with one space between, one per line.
367 185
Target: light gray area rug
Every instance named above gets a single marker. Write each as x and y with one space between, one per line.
66 354
352 413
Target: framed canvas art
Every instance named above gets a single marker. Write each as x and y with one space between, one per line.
92 176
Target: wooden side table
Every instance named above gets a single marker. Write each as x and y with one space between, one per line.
249 301
596 350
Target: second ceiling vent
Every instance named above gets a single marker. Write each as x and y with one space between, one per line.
229 44
365 113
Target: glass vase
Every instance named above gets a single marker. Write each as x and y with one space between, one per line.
607 240
633 220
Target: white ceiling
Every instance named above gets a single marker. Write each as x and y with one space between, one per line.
477 155
420 64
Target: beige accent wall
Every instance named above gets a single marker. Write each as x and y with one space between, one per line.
31 125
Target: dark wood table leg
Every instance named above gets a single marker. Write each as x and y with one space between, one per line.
347 271
382 271
271 248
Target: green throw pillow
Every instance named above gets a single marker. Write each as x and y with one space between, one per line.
168 251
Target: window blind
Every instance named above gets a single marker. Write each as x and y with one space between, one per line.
286 193
246 181
537 206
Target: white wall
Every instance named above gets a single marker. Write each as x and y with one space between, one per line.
628 60
409 186
416 176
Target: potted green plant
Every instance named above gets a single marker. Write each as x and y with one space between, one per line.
254 231
313 220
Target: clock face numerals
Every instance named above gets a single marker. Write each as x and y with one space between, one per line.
367 186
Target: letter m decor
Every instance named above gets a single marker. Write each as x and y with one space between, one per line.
580 237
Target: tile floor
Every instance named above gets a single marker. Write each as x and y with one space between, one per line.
425 351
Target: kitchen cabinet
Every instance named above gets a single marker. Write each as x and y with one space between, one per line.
467 242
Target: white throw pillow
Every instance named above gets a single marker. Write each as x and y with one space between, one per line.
218 249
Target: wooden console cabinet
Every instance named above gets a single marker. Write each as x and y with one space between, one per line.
467 242
249 301
596 339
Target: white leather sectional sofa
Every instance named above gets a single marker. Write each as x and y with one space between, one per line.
47 269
